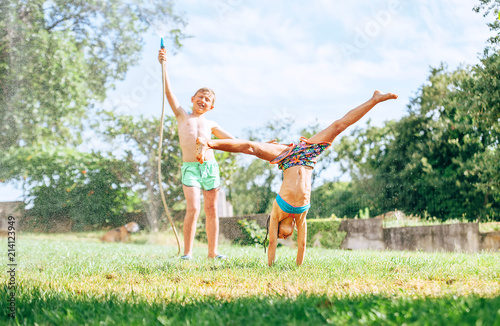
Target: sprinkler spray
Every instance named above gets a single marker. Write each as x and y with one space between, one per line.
162 46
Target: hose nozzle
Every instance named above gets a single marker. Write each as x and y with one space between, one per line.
162 44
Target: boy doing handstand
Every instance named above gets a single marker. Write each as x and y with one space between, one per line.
196 176
297 162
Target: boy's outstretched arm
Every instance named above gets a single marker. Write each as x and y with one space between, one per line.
172 100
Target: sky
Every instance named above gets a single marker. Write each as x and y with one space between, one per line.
309 60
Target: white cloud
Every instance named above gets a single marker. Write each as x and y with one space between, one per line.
265 56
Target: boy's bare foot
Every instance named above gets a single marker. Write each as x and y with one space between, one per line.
201 149
379 97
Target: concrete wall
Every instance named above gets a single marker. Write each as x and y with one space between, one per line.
461 237
450 237
490 241
362 234
14 208
369 234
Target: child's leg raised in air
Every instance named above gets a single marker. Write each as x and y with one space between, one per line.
264 151
332 131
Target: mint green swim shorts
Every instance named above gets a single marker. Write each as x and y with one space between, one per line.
204 176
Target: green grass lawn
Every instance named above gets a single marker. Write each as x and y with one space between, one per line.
73 279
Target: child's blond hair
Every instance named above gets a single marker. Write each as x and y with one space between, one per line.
206 90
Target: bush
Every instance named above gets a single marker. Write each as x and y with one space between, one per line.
252 234
201 233
93 198
324 230
63 183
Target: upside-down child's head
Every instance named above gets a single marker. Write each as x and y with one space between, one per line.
285 227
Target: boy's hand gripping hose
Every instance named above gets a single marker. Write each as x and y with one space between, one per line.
163 71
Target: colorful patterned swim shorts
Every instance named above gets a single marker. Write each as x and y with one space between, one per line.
303 153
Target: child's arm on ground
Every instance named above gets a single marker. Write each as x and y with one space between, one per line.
220 133
301 240
273 239
172 100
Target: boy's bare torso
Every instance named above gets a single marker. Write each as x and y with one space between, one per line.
190 128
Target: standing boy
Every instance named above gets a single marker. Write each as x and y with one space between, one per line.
196 176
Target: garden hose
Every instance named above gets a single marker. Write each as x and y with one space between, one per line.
167 211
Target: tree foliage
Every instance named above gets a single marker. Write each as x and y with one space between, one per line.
491 8
441 158
255 183
135 141
339 198
58 58
65 183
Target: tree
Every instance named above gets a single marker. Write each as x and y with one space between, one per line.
487 7
254 183
65 183
337 198
58 58
252 188
479 99
442 158
433 160
135 142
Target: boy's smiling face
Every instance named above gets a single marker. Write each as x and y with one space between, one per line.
203 102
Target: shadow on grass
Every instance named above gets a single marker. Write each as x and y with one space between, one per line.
52 308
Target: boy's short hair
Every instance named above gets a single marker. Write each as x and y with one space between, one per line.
206 90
